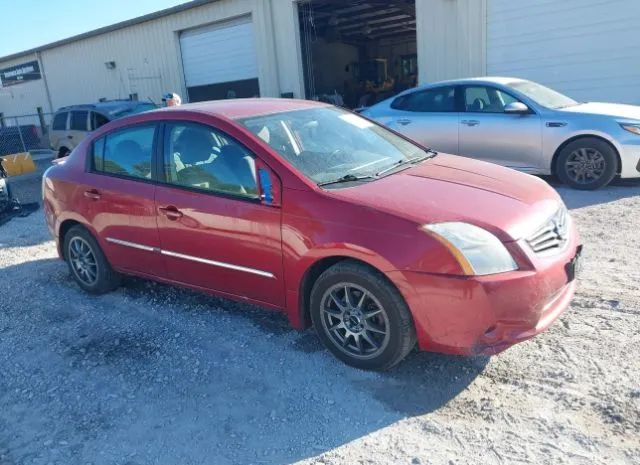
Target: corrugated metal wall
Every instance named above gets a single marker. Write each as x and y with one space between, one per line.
582 47
22 98
585 48
147 58
451 39
148 61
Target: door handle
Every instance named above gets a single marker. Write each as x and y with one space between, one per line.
470 122
92 194
171 212
404 122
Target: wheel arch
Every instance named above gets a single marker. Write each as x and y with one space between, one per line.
63 149
311 275
561 147
64 228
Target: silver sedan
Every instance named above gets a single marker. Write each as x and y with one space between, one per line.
522 125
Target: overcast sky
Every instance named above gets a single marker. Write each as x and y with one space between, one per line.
29 23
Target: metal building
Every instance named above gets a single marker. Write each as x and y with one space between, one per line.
352 52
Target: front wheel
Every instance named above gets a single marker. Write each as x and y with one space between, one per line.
360 317
587 164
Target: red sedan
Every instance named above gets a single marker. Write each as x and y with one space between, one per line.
315 211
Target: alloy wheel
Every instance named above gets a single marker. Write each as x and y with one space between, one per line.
355 321
585 165
83 261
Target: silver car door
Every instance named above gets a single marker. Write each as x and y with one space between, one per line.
488 133
428 116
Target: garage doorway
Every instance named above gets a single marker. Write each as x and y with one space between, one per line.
358 53
220 62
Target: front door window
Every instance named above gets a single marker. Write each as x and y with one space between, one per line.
199 157
482 99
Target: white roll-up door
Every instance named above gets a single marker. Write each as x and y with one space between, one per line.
583 48
220 61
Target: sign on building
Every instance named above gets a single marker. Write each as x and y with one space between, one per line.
16 74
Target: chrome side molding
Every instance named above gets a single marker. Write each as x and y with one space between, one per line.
169 253
133 245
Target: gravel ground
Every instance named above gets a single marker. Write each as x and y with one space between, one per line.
152 374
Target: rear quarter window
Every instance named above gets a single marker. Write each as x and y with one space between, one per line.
98 120
60 122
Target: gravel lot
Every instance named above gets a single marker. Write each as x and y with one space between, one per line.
152 374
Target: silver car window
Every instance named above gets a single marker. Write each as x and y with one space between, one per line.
436 100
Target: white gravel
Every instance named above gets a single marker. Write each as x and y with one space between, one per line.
152 374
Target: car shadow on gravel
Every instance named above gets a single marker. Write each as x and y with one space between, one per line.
425 381
420 384
574 199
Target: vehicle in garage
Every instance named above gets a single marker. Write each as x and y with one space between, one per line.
355 54
71 124
522 125
316 211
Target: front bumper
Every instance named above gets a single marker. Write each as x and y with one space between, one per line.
630 161
487 314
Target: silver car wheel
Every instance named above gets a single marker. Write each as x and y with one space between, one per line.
585 165
355 321
83 261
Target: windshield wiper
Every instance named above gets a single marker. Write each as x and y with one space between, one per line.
408 161
346 178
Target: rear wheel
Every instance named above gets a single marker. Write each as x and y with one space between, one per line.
587 164
87 263
360 317
63 152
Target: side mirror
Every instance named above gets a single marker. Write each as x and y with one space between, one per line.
269 186
517 108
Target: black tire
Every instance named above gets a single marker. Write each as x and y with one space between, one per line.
397 319
106 278
607 167
63 152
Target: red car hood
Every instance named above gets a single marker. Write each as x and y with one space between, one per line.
510 204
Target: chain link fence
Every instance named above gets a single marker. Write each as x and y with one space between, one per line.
25 133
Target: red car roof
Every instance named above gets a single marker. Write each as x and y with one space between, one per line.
246 108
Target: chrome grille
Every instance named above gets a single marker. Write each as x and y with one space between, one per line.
553 235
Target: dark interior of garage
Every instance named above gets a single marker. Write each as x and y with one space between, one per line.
360 52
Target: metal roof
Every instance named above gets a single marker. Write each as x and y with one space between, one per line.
112 27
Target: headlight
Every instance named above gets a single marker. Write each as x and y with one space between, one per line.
477 251
634 128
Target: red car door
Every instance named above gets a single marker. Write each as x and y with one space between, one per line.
215 233
118 199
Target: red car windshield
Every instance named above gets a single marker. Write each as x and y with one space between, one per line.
327 143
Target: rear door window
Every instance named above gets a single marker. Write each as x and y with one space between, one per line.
438 100
98 120
127 152
60 121
78 120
